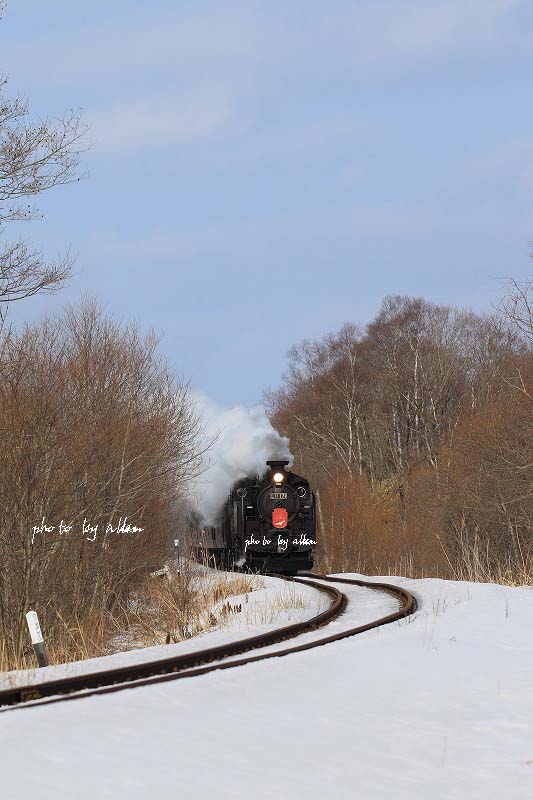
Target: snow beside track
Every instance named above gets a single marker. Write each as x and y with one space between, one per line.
439 705
259 614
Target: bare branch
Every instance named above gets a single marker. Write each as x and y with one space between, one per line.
35 155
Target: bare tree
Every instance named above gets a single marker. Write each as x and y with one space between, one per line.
35 155
92 427
387 423
517 307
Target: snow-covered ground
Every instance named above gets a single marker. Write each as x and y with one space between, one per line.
262 610
439 705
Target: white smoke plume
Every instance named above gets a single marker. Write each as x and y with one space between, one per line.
245 441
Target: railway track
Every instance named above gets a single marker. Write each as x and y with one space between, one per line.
201 662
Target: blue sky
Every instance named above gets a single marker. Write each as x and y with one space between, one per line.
262 172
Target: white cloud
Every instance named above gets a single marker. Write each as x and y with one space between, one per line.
186 44
187 75
179 118
248 39
387 219
509 162
238 239
399 31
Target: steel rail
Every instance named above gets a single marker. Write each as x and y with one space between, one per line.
188 665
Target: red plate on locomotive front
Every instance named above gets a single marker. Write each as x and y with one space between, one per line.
280 518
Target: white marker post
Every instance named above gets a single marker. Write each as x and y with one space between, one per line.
37 638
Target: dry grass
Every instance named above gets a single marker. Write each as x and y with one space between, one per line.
169 611
164 610
468 558
79 640
472 559
407 566
264 611
159 611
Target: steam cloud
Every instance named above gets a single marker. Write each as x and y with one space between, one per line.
245 441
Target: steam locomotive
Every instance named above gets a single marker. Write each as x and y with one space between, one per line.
266 524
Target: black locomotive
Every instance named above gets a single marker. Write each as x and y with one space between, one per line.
266 524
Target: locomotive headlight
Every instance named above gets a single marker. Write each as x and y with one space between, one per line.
278 477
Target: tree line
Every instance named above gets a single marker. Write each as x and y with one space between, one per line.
417 432
94 429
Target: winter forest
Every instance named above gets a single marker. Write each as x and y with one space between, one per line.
418 430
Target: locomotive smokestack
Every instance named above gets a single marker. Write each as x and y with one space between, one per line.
277 470
275 463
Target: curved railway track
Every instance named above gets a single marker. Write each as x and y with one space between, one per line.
201 661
